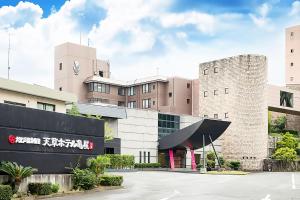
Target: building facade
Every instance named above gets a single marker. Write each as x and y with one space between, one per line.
34 96
77 70
292 57
235 89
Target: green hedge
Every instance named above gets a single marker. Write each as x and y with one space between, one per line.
6 192
111 180
83 179
54 188
40 188
235 165
118 161
146 165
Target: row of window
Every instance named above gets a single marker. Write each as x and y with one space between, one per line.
167 124
146 158
40 105
216 92
98 100
146 103
216 116
99 87
205 71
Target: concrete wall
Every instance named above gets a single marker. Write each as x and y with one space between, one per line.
139 132
245 76
30 100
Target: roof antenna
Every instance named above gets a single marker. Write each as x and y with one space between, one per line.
8 56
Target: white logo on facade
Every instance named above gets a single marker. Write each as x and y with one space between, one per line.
76 67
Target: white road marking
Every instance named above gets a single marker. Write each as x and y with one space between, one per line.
171 196
267 197
293 182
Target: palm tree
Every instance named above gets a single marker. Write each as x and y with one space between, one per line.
98 164
16 173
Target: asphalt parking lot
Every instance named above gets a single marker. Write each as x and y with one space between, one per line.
180 186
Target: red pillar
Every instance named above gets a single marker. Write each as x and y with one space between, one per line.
171 155
194 166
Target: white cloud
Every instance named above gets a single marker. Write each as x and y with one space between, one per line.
22 13
261 19
295 8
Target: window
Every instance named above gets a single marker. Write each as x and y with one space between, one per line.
292 50
140 157
46 106
60 66
188 85
188 101
216 70
101 73
98 100
15 103
153 87
216 116
291 64
205 116
109 150
291 78
167 124
60 88
131 91
99 87
292 34
148 156
153 103
226 115
170 94
131 104
205 93
146 88
121 103
121 91
146 103
144 156
215 92
226 90
205 72
286 99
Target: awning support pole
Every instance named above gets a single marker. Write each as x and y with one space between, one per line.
204 164
213 146
194 166
171 156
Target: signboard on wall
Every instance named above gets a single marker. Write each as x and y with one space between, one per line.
48 141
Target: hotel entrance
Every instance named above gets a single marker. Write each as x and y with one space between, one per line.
179 158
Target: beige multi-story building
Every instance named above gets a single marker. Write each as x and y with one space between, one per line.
77 70
292 57
34 96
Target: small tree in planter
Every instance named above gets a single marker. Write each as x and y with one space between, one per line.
16 173
235 165
98 164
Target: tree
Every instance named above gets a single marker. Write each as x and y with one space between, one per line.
98 164
211 156
288 140
16 173
74 111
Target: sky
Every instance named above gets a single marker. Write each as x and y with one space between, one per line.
143 38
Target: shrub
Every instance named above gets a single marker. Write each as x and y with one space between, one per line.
298 151
54 188
235 165
293 132
285 153
109 180
98 164
6 192
146 165
40 188
222 161
118 161
211 164
211 156
83 179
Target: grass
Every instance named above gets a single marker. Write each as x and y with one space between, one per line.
227 172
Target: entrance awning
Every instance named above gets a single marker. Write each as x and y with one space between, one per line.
192 136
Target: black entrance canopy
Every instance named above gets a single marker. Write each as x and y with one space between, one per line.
193 135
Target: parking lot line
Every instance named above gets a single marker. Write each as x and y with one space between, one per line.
293 181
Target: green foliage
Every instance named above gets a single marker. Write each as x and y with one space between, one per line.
211 164
211 156
108 132
98 164
147 165
109 180
83 179
6 192
118 161
298 151
55 188
74 111
16 173
293 132
222 161
235 165
277 125
285 154
288 140
40 188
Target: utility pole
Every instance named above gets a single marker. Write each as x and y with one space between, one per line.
8 56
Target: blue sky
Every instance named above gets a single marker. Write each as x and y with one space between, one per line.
140 36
